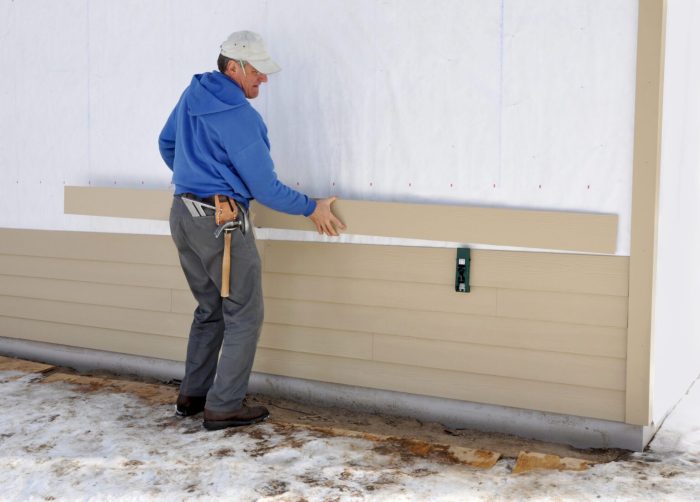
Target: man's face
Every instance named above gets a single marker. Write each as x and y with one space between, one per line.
250 82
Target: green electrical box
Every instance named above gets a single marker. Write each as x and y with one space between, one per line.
462 271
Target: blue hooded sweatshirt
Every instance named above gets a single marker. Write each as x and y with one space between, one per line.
215 142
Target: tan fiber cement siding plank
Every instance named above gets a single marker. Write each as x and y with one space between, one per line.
556 398
182 302
546 271
261 251
317 341
372 293
567 273
335 343
86 293
125 274
536 335
290 330
122 248
89 337
573 369
121 319
594 310
651 39
544 306
585 232
362 261
320 341
117 202
556 272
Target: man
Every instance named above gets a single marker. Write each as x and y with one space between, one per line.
216 145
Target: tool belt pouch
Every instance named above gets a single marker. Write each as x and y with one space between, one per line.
226 209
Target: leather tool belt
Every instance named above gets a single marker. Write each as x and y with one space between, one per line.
228 218
226 209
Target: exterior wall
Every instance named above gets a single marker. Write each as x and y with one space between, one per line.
89 69
538 331
500 103
677 318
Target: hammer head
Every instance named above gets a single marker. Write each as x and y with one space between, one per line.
230 226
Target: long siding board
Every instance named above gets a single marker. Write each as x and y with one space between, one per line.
131 249
91 337
92 246
585 232
561 230
25 252
80 292
536 335
125 274
567 273
521 362
446 335
552 397
575 370
596 310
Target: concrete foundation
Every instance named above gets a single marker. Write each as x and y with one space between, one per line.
580 432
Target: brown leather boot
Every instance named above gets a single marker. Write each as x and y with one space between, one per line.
246 415
189 405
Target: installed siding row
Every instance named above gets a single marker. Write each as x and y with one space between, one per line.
539 331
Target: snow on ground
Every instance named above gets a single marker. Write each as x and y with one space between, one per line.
58 443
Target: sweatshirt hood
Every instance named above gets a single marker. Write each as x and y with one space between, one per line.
212 93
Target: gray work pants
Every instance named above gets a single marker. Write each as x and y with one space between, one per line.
230 325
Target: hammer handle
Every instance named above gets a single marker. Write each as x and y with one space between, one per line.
226 266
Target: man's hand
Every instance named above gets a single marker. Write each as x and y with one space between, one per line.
324 219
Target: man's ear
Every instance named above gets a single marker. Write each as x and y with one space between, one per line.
231 66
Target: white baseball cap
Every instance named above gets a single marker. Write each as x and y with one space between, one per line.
250 47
